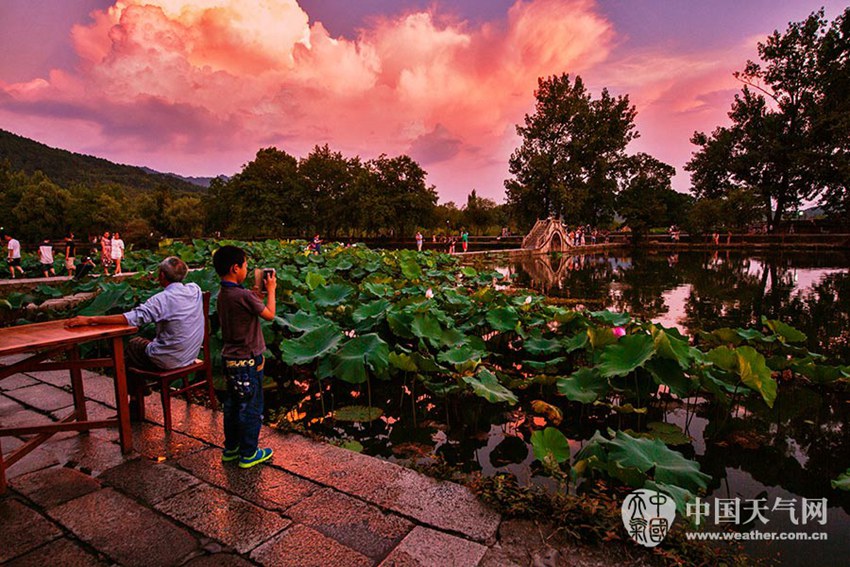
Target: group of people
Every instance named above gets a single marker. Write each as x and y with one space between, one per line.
450 241
178 313
110 247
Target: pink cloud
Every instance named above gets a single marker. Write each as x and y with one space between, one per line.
161 80
197 86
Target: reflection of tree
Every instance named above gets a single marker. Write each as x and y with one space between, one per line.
801 444
643 285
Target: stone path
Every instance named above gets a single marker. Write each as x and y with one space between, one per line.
76 500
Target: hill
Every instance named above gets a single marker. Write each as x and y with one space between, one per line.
67 168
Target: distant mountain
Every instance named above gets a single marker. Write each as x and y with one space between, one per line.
199 181
67 168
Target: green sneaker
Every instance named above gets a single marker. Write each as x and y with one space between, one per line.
230 455
259 456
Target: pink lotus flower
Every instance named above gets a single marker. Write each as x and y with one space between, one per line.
429 294
618 332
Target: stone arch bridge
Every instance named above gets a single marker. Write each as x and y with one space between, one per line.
547 235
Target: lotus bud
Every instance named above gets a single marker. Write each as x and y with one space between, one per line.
429 293
618 332
527 300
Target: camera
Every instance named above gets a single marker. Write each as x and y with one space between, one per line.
260 275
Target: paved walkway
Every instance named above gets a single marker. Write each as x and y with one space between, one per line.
76 500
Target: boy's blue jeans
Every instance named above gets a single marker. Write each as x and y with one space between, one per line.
243 404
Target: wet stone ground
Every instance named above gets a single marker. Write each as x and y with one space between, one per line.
76 500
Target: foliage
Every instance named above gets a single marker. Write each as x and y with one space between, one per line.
352 315
572 153
788 142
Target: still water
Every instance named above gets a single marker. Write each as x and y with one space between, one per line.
781 455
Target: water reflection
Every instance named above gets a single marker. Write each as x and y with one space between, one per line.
704 290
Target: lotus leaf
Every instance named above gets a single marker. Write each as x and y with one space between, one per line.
331 294
460 355
469 272
410 269
672 348
114 297
785 332
629 353
670 374
486 385
576 342
601 336
611 318
358 414
540 346
371 310
550 441
646 455
402 361
585 386
314 280
401 323
503 318
426 326
311 345
755 373
452 337
301 322
354 358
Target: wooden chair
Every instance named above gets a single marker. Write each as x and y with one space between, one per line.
139 378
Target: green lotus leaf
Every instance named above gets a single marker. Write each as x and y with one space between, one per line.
311 345
426 363
378 289
629 353
357 356
820 373
786 333
550 365
503 318
460 355
723 357
426 326
668 433
550 441
469 272
726 335
371 310
645 455
114 297
540 346
331 294
668 346
842 482
353 444
48 291
341 265
754 335
452 337
755 373
410 269
578 341
486 385
362 414
670 374
679 495
401 323
403 362
611 318
601 336
585 386
314 280
301 322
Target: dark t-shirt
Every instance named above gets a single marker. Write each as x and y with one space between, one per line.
72 247
238 311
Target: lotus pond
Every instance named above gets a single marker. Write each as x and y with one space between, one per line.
717 375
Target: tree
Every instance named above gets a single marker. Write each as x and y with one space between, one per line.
572 153
400 183
185 217
41 212
328 179
642 201
790 123
481 214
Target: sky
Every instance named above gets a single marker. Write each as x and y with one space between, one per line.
196 87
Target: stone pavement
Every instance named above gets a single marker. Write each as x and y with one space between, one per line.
76 500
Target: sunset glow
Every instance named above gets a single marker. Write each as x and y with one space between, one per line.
197 86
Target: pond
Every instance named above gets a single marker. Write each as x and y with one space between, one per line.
789 452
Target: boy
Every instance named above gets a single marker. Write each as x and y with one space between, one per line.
45 258
242 355
70 254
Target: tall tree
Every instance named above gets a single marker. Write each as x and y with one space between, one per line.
572 153
788 138
328 179
643 199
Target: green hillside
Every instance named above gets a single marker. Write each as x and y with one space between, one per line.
67 168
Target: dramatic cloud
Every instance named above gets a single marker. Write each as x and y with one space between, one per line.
206 82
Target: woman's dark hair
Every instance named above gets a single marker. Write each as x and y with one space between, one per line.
226 257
